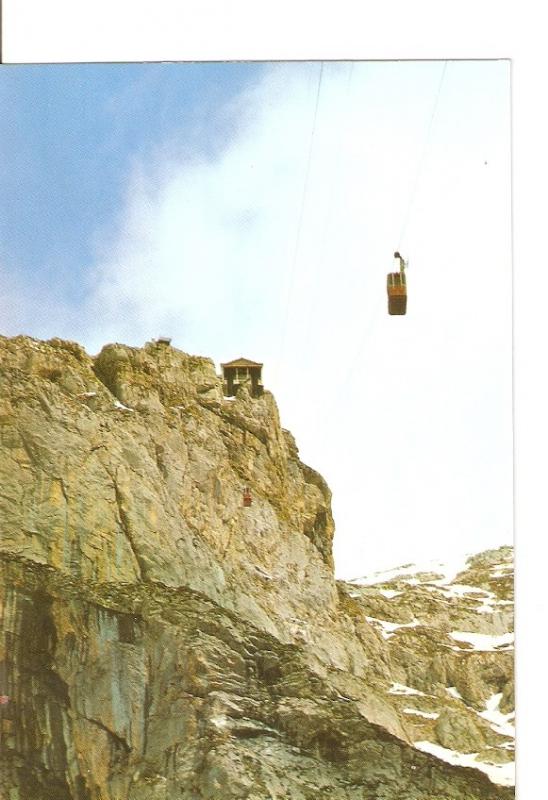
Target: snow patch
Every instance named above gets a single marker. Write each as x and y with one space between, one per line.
447 569
485 608
122 407
503 570
388 628
425 714
483 642
389 593
499 722
452 690
459 590
399 688
500 774
219 721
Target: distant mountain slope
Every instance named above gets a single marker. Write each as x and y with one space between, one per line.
448 632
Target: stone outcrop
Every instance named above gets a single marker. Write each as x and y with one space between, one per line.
161 640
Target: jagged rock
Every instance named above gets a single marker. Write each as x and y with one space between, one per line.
457 732
163 641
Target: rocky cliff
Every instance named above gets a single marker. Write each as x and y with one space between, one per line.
161 640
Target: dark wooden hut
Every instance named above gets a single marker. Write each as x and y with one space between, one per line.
242 371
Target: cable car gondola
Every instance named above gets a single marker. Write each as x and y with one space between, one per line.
396 287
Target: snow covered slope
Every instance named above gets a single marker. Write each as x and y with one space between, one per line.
447 630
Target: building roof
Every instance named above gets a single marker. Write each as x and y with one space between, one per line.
241 362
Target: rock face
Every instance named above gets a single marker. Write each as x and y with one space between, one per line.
161 640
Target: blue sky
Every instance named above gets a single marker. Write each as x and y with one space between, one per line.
68 137
253 209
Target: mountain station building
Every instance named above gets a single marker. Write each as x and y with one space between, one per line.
242 372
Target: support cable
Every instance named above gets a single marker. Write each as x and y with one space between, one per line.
327 222
299 225
377 311
422 158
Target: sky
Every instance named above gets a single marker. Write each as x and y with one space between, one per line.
252 209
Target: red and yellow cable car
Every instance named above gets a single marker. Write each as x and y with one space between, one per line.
396 287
